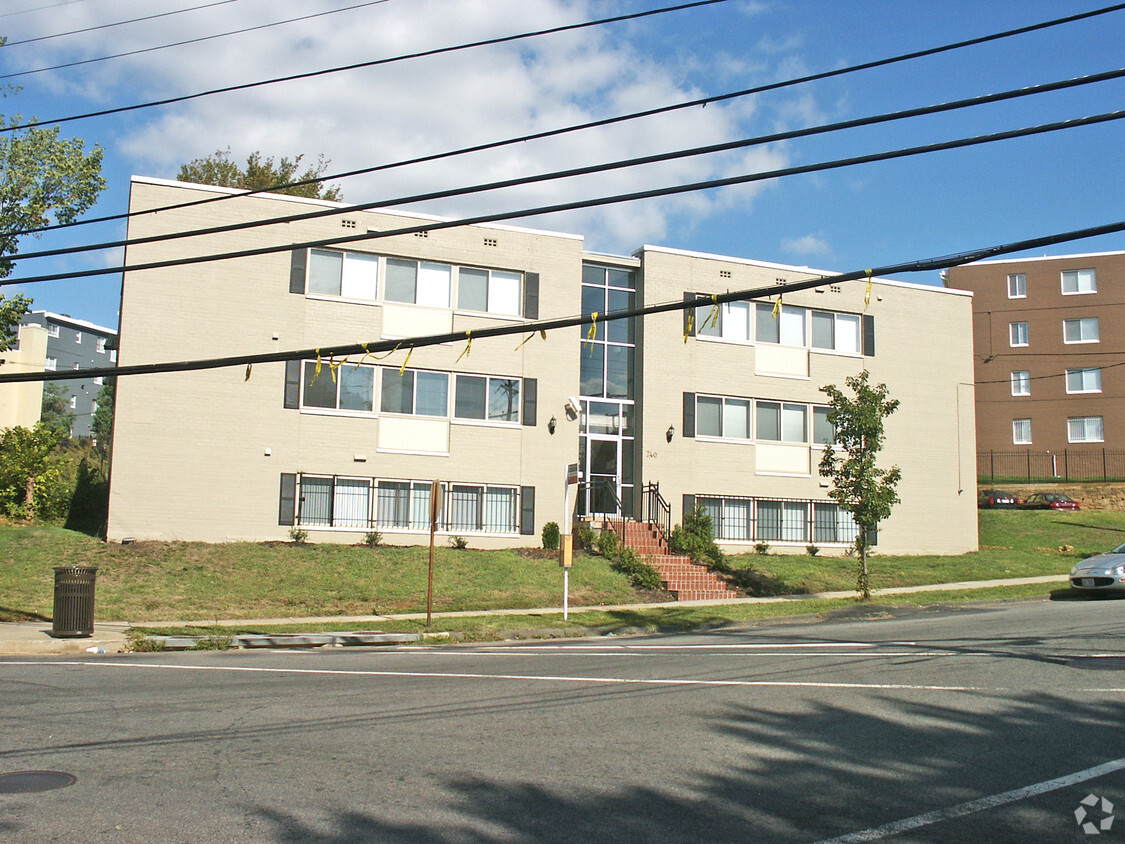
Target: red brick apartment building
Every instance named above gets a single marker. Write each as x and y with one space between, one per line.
1048 353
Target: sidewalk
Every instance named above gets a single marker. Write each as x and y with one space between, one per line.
33 639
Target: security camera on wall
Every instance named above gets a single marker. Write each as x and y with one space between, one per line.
572 408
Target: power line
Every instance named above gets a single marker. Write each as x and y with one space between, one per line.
530 328
191 40
373 63
40 8
118 23
703 102
591 203
595 168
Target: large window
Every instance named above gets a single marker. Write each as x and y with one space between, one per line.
837 332
403 504
347 387
418 282
482 508
730 321
1079 281
481 397
1084 330
415 392
824 432
1021 432
787 328
1084 429
716 416
352 275
1021 383
782 422
492 291
607 360
1085 380
1017 334
741 519
1017 286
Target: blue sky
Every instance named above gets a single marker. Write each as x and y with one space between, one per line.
853 218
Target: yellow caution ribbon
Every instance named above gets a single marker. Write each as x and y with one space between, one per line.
777 307
592 333
867 295
249 366
316 372
402 368
468 345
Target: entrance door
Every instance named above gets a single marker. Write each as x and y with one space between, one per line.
603 474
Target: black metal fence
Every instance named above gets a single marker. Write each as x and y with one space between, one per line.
1087 464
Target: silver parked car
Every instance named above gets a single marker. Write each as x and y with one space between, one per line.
1101 573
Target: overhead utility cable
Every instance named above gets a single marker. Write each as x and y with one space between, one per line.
500 216
381 346
40 8
373 63
703 101
119 23
199 40
590 169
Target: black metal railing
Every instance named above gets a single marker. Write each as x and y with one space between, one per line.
1087 464
655 510
599 498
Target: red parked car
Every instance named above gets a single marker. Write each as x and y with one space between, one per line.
1049 501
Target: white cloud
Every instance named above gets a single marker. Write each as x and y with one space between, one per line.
807 246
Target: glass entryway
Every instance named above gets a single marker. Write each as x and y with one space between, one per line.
606 448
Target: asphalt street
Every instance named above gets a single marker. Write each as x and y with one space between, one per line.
960 724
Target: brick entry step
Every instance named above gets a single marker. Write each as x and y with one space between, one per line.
686 580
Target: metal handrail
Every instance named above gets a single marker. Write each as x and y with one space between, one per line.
607 488
656 510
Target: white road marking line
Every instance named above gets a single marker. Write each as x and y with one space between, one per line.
980 805
546 678
708 646
787 654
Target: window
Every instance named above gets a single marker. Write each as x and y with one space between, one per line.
403 504
1017 286
352 275
716 416
99 380
52 330
415 392
78 337
489 290
788 329
1079 281
99 345
350 387
783 521
418 283
1017 333
480 397
51 364
481 508
729 321
837 332
113 355
1021 383
1087 380
779 422
831 523
1021 431
73 402
824 432
1084 330
1084 429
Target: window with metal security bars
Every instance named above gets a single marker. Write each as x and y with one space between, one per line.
1021 432
1085 429
746 519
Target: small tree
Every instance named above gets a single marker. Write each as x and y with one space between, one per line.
102 425
12 310
55 411
260 174
858 485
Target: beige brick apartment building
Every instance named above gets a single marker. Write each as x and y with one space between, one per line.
722 408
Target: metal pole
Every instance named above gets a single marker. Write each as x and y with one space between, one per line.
567 525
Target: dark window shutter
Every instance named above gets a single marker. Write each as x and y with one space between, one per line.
689 504
869 335
872 537
527 511
292 383
689 316
287 509
531 295
297 271
689 415
530 397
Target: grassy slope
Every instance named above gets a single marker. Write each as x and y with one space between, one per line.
183 580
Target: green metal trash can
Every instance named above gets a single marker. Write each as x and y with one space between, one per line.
74 601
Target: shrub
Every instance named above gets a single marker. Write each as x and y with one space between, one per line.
583 536
551 536
641 573
812 550
696 538
373 539
458 542
761 547
607 544
298 535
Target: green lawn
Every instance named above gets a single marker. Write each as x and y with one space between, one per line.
154 581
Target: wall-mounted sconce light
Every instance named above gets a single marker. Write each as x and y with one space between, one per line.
552 424
671 432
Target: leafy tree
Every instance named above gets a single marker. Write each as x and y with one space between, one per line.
259 174
11 310
26 474
55 412
102 423
858 485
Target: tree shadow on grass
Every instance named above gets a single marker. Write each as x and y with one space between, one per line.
10 614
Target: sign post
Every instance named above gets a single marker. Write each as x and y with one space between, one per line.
566 541
435 514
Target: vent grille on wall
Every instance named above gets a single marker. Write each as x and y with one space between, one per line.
724 273
347 224
490 241
421 234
